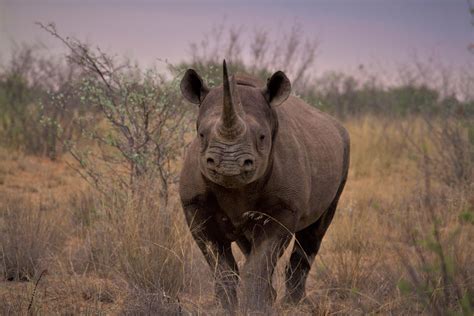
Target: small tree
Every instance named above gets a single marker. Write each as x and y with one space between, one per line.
140 128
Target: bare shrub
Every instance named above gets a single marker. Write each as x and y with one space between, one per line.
445 144
442 147
258 53
443 141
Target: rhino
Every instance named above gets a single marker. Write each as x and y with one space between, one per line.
264 166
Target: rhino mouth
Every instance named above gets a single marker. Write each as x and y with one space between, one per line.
231 179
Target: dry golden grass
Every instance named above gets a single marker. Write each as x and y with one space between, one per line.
137 256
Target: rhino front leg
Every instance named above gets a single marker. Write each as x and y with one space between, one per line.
217 252
268 244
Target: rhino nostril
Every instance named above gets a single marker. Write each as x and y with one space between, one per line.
210 162
248 163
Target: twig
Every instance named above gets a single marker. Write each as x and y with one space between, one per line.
34 289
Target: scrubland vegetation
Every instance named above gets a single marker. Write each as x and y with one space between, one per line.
91 147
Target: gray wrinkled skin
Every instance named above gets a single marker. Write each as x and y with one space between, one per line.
264 165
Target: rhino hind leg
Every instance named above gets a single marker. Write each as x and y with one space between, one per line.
307 244
306 247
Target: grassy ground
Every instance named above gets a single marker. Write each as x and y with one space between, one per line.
388 250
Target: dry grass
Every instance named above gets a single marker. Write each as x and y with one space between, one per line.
130 255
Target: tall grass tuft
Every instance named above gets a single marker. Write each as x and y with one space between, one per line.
29 236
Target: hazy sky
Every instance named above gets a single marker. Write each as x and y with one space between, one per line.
350 32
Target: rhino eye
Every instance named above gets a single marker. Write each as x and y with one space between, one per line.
201 135
262 137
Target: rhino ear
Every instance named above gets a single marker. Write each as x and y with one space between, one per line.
278 88
193 87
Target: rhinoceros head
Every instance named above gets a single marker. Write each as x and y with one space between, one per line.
236 127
